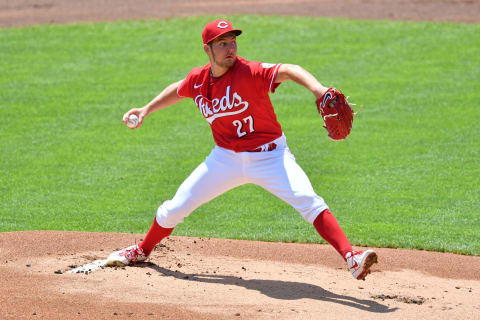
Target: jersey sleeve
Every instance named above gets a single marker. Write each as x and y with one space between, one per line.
265 74
185 88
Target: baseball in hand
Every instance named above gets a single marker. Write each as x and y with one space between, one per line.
132 121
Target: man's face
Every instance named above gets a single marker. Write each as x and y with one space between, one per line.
224 50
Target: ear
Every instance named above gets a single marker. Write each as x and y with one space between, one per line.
207 49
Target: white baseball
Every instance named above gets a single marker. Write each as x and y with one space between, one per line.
132 121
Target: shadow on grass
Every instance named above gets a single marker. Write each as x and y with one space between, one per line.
285 290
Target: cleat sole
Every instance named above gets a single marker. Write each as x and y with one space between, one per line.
370 260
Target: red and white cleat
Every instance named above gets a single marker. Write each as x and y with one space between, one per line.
359 263
127 256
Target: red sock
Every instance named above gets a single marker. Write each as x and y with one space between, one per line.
328 227
156 234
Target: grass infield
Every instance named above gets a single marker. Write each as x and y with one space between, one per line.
408 176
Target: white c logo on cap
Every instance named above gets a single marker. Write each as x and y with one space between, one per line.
222 25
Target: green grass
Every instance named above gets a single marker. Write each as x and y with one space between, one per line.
406 177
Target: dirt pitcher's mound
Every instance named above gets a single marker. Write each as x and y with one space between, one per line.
195 278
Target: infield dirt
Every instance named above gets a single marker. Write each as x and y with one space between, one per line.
22 12
195 278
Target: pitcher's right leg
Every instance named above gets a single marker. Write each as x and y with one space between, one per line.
220 172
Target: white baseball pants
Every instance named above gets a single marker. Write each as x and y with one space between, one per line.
276 171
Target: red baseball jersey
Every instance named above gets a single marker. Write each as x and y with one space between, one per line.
236 105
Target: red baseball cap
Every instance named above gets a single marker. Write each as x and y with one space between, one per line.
216 28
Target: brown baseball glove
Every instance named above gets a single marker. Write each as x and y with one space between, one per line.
336 113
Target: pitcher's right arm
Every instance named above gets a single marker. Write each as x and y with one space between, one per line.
165 99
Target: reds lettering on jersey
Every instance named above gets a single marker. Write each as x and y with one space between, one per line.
236 105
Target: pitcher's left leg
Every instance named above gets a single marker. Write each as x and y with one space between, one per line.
282 176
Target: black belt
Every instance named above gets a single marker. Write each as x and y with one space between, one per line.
266 147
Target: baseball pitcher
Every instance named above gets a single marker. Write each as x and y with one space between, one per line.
232 94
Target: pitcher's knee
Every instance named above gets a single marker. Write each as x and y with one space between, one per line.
309 206
312 213
168 216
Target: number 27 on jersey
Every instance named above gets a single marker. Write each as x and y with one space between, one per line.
245 126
